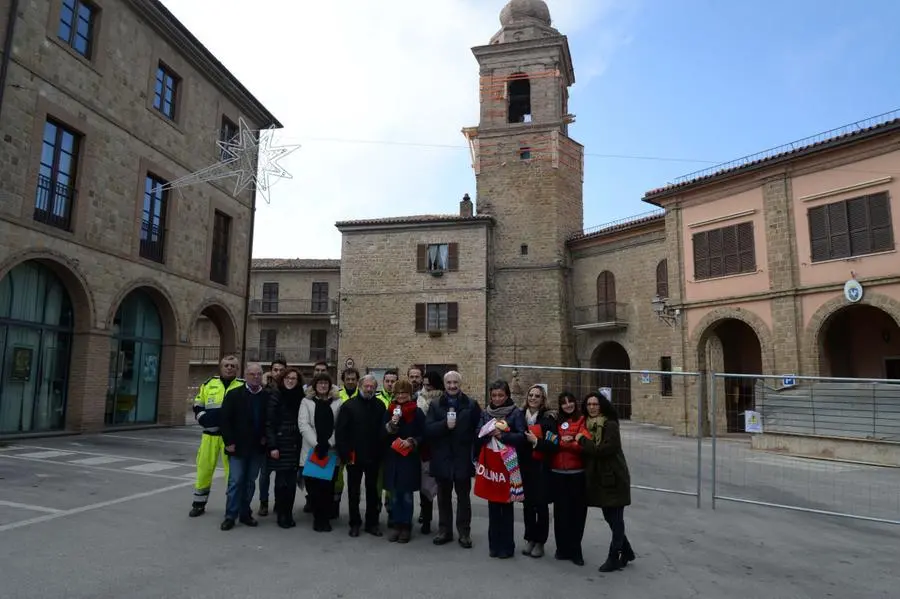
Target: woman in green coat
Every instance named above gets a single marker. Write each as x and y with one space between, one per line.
606 472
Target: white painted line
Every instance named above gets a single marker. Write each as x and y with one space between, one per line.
44 455
151 467
93 506
110 455
98 468
97 461
154 441
33 508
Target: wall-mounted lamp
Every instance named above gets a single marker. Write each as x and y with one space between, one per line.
334 318
665 312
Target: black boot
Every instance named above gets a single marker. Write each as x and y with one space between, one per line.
614 561
627 552
284 520
197 509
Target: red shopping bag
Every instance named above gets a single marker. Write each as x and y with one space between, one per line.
537 432
491 476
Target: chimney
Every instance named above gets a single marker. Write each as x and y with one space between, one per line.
465 207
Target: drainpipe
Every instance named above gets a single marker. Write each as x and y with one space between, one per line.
247 285
11 19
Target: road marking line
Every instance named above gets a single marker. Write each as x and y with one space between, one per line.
93 506
96 461
152 467
110 455
163 441
33 508
44 455
98 468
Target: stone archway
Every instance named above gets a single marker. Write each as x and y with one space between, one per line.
143 356
732 341
884 309
53 352
213 333
613 356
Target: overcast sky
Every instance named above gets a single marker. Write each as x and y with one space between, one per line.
376 92
398 71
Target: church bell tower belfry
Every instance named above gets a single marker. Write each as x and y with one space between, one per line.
529 177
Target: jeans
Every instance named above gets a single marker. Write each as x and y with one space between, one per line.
355 475
242 475
402 508
501 528
264 480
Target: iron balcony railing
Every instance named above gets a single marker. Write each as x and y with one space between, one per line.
208 354
292 355
602 313
293 307
53 203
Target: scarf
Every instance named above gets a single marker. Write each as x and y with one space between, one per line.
594 424
501 412
324 420
407 409
531 418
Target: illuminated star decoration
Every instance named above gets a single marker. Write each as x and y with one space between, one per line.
249 157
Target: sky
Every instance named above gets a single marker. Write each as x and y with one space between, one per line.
376 94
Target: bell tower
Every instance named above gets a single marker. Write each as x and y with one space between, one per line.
529 177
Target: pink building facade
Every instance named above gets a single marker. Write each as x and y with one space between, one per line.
786 264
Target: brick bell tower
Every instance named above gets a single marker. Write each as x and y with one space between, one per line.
529 177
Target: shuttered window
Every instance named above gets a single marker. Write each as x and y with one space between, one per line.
437 257
662 278
723 252
437 317
852 227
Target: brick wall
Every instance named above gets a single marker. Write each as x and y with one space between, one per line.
108 102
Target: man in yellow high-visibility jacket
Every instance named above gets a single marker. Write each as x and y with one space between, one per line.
349 389
386 395
207 406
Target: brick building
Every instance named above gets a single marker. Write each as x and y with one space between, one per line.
103 271
740 269
293 317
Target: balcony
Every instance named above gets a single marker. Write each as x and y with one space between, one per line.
53 203
293 355
207 354
601 316
286 308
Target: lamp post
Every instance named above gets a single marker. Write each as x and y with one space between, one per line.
665 312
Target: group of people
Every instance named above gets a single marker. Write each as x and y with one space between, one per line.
417 434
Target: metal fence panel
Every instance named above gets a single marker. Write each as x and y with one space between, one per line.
802 416
657 459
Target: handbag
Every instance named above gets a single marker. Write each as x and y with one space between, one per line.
497 475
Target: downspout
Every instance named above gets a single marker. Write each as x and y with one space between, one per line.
247 284
7 47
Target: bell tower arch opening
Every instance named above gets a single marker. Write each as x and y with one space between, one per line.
529 178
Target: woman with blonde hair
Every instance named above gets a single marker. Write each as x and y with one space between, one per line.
535 455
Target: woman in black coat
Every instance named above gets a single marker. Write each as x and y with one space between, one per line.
607 478
541 441
283 438
404 425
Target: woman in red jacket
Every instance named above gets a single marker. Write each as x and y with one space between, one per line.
569 492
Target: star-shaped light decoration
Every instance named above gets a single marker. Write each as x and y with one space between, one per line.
249 157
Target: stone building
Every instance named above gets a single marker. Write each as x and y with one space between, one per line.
779 264
292 317
103 269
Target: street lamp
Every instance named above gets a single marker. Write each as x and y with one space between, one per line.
665 312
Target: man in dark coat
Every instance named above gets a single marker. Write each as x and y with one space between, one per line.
451 429
358 437
243 427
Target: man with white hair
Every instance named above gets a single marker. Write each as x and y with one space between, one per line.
358 438
451 428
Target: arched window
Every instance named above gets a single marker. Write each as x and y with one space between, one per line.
519 92
606 297
662 278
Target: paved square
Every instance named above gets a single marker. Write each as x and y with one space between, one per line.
106 516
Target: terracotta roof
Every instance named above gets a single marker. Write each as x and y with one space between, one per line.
294 263
877 125
415 219
619 225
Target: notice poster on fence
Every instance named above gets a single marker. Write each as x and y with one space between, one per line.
752 422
